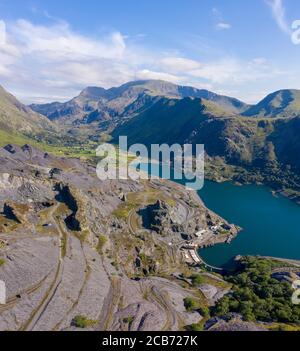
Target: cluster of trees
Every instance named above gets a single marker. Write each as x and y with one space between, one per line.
258 296
192 305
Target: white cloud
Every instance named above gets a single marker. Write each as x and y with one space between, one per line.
260 61
8 52
2 33
54 60
47 63
50 60
223 25
278 11
58 41
219 18
148 74
232 70
179 64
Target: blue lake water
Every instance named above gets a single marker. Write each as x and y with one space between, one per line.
271 225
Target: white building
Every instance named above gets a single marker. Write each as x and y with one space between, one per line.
200 233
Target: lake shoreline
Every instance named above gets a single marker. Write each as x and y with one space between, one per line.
284 192
264 222
261 215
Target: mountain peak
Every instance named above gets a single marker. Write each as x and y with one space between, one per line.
93 92
281 103
129 99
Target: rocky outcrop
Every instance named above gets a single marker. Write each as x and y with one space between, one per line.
159 218
232 323
66 253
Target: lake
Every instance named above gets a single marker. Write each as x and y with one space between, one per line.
271 225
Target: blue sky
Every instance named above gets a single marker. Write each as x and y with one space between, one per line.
50 49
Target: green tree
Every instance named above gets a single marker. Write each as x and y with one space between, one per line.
190 304
83 322
197 279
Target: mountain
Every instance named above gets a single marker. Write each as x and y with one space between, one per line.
169 121
18 118
99 104
78 107
282 103
266 147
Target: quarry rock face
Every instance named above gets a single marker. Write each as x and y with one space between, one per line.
72 245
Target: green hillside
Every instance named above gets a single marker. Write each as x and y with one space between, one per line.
16 117
241 148
282 103
20 125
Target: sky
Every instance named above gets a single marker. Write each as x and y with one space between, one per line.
51 49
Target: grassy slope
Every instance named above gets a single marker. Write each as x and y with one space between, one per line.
14 116
20 125
167 121
283 103
83 151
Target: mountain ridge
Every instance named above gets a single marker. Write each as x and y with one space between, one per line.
16 117
255 142
117 100
279 104
263 147
97 104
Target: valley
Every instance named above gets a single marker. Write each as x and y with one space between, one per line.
79 253
243 143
